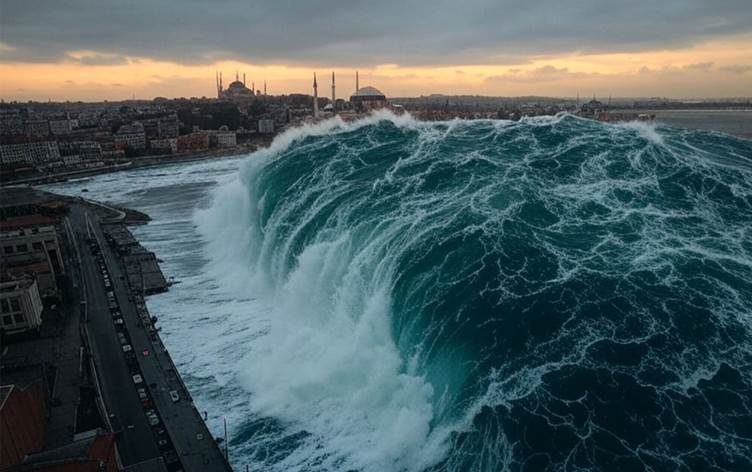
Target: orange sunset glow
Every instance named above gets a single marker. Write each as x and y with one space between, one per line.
718 68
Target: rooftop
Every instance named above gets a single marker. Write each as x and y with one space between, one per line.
95 448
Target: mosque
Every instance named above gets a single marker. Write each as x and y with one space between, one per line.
363 100
235 91
367 98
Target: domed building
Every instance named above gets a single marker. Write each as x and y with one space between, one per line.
236 90
367 98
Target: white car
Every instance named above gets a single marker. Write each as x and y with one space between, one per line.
174 396
127 348
137 379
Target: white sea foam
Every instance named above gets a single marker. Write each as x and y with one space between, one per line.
327 364
647 130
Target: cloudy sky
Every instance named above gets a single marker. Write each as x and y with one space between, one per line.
97 49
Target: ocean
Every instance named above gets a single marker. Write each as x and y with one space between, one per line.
734 122
391 295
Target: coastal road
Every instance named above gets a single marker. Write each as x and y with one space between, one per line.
134 438
193 443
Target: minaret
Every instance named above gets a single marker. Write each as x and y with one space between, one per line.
216 82
243 79
315 97
253 87
221 88
237 79
334 96
265 87
357 85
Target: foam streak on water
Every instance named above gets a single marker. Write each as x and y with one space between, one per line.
552 294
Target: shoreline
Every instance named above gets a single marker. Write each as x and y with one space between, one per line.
194 445
166 159
135 163
104 344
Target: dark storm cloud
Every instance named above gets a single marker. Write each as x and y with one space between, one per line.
357 32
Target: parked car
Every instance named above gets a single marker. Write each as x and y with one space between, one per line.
170 457
174 396
137 379
118 321
142 393
152 417
127 348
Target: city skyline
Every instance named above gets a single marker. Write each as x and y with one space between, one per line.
677 49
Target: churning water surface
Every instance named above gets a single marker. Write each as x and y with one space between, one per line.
551 294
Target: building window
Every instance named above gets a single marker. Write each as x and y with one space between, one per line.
4 306
18 318
8 249
7 320
22 248
14 305
37 246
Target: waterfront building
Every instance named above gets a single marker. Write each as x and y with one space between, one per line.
193 142
85 153
131 135
368 98
38 154
20 304
72 160
167 145
223 138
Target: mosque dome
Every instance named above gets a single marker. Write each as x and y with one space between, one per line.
236 85
370 92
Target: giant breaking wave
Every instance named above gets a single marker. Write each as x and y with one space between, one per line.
551 294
